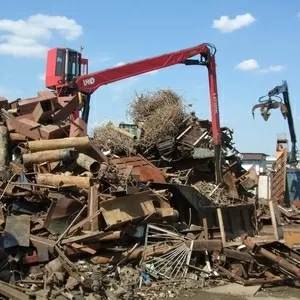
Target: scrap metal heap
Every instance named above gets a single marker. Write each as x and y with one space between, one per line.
80 221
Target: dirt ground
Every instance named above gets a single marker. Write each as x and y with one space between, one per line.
275 293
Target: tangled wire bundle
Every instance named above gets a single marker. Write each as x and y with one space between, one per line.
161 113
107 138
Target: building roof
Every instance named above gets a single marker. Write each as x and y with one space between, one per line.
254 156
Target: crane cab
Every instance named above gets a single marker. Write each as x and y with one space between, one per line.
64 66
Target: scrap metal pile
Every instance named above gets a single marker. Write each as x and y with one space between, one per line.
80 220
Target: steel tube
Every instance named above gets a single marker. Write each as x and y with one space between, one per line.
54 144
59 180
47 156
87 163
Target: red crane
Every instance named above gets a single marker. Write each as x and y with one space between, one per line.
67 74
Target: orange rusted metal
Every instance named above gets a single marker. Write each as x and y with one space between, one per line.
141 167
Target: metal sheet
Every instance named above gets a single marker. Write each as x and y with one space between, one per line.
17 231
293 186
142 167
264 187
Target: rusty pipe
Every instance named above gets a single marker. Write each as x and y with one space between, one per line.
47 156
86 162
54 144
59 180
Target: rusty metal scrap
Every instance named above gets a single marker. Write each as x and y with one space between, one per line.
155 216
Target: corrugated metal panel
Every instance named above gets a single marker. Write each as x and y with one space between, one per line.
293 186
264 190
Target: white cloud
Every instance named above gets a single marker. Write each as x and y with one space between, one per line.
248 65
153 72
29 37
274 69
41 77
225 24
119 64
253 65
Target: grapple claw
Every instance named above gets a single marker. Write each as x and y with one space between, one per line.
268 104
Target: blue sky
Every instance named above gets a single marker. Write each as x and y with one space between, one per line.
264 35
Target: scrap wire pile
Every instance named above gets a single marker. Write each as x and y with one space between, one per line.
215 193
107 137
159 114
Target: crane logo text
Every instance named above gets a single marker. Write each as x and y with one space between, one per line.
89 81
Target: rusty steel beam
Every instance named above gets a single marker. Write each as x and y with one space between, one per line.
78 128
26 126
27 106
249 282
48 156
68 142
283 263
69 104
238 255
88 163
60 180
43 110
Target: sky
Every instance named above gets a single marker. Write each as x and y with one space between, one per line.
257 47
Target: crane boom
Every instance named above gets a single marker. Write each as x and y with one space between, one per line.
91 82
65 75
